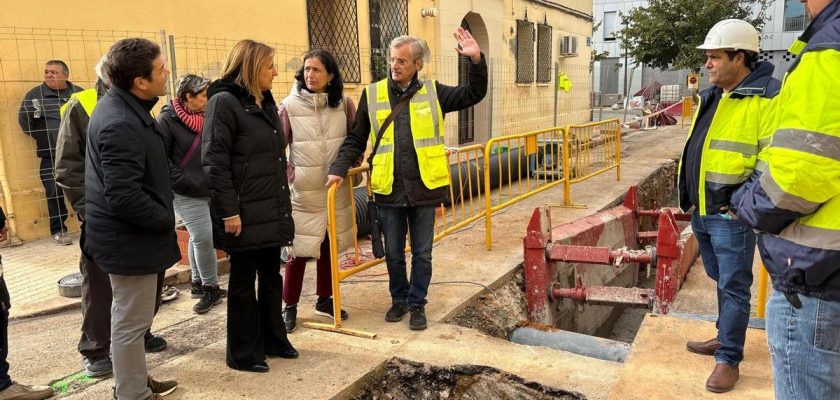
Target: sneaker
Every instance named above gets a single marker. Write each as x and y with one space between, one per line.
26 392
97 367
161 388
197 290
155 344
290 317
169 293
417 321
212 296
62 239
324 308
396 312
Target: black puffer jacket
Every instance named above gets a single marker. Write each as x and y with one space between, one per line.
129 220
178 138
244 156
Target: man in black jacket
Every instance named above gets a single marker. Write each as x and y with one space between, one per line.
95 341
129 220
410 171
39 118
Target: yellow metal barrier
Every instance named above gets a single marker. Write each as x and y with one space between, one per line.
588 150
763 278
527 163
465 208
687 109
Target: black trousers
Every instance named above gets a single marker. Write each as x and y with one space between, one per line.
5 380
54 195
254 317
96 307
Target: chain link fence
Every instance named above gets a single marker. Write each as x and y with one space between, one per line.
509 107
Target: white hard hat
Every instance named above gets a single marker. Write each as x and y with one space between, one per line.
731 34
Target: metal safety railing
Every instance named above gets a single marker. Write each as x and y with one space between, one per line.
525 164
515 166
588 150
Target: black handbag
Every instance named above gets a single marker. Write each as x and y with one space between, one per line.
377 245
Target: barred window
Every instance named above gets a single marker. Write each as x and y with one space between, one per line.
388 20
524 51
333 26
543 53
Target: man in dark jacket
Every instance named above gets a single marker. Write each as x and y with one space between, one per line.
410 170
95 341
39 118
129 220
10 389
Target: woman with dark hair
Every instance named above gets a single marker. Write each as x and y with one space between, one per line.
315 117
244 156
181 122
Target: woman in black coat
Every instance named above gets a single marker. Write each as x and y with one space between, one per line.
244 157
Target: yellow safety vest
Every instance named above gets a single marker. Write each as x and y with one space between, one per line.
427 133
87 98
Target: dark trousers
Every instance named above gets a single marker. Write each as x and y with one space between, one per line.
254 317
95 341
296 268
420 222
5 380
54 195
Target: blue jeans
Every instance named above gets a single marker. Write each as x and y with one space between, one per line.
727 248
420 223
804 347
195 212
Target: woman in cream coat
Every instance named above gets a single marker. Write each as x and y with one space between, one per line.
315 118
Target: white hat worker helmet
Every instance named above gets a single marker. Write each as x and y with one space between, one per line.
733 34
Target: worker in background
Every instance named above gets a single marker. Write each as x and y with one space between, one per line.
721 152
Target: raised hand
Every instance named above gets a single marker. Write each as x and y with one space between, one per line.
467 46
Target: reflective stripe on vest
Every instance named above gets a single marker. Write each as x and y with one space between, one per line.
87 98
426 121
732 144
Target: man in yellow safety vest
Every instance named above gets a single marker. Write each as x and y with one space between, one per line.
410 169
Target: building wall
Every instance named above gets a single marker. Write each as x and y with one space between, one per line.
197 37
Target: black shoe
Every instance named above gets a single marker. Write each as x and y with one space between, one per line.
197 290
261 367
396 312
417 321
161 388
288 351
324 308
290 317
155 344
212 296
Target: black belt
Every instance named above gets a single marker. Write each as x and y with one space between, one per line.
793 299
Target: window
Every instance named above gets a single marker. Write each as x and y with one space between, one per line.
543 53
610 25
333 26
524 51
388 19
795 17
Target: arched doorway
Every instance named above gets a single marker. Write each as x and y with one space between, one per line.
474 122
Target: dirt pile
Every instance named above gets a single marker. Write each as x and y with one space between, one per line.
496 313
407 380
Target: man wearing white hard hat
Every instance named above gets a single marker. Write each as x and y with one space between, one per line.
795 206
732 124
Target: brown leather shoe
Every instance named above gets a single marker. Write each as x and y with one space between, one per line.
706 348
722 379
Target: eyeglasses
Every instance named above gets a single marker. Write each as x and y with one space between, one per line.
398 61
51 72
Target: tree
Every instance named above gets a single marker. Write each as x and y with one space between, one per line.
665 34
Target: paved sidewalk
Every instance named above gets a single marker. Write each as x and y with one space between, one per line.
32 271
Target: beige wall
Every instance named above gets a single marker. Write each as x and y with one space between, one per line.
204 32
